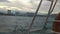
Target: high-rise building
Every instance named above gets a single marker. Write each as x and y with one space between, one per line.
9 11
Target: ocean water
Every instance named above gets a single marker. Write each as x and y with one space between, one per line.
8 24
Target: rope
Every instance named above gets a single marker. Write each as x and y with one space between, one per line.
34 16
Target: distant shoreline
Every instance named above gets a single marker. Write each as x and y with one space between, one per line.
27 15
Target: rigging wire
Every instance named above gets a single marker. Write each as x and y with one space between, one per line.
44 27
50 11
34 16
54 6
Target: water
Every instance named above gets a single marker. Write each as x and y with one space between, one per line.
8 23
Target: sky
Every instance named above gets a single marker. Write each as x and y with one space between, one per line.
27 5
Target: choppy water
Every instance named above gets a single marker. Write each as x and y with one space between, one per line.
8 23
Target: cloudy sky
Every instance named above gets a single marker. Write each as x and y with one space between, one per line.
27 5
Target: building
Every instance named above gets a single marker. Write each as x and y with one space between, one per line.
9 11
17 13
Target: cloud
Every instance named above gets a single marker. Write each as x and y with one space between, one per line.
24 5
45 7
28 5
4 1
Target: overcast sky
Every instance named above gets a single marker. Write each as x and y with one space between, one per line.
27 5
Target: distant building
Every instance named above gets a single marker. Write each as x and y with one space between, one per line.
29 14
17 13
1 13
9 11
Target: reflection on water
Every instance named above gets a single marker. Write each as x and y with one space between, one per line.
8 23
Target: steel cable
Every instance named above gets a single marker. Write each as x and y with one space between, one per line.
49 12
53 6
48 15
